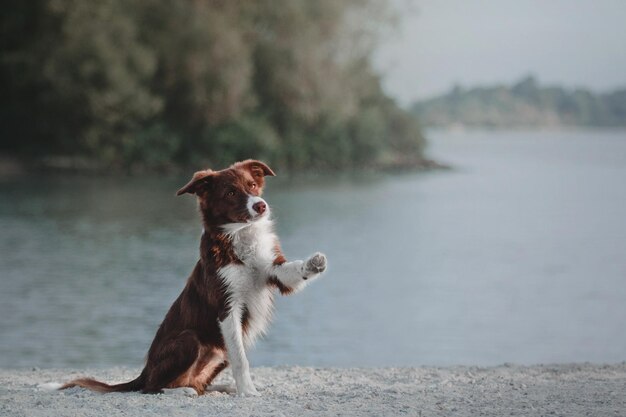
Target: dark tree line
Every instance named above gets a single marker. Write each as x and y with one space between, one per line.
166 83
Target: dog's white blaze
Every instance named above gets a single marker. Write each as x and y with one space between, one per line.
252 200
233 228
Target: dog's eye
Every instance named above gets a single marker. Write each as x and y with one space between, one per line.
230 193
253 185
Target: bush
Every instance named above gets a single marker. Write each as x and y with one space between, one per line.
246 137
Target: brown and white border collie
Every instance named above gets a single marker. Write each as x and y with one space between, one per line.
228 299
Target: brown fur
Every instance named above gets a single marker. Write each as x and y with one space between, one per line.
284 290
188 349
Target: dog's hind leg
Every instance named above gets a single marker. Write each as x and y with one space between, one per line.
171 362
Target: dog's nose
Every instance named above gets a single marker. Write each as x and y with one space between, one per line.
259 207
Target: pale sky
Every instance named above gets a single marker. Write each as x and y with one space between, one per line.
471 42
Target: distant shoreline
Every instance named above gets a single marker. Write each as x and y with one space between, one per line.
566 389
525 104
460 128
14 166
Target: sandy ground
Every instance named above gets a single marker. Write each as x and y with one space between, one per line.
559 390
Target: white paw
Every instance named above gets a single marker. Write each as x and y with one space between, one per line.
226 389
190 392
248 391
316 264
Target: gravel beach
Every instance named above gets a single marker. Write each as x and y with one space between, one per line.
559 390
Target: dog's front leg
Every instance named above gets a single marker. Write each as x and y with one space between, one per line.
293 276
233 337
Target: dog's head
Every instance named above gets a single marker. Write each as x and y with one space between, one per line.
232 195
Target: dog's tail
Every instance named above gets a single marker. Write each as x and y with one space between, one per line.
91 384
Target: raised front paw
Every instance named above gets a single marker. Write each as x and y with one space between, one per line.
316 264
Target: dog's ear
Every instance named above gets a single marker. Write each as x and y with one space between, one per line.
256 168
193 185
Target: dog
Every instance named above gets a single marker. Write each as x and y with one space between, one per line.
228 299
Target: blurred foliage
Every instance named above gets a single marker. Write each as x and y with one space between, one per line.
166 83
525 104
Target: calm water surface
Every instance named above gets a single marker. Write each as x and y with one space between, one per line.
517 255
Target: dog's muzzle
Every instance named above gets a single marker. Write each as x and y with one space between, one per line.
257 207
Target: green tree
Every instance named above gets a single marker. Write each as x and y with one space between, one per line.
162 82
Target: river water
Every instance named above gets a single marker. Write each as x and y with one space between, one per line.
518 254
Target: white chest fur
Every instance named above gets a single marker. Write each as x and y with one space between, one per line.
254 244
247 283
